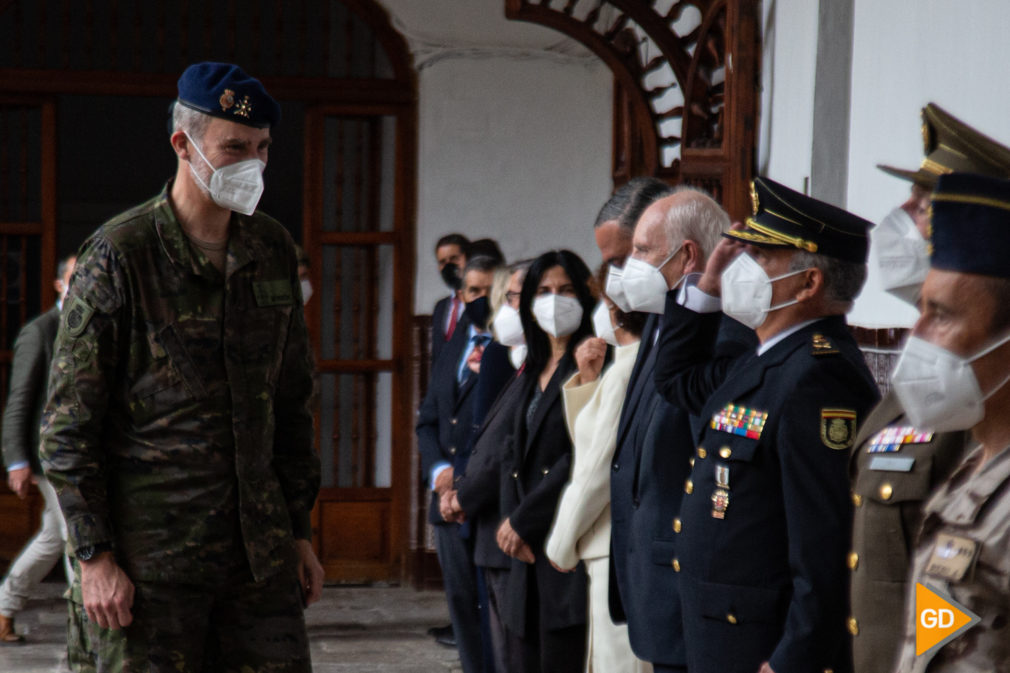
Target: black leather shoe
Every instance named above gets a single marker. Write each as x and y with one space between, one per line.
443 635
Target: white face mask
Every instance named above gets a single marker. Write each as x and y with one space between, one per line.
644 284
902 255
517 356
938 389
508 327
237 186
306 290
747 291
603 325
557 314
615 288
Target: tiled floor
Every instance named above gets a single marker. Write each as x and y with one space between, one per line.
352 629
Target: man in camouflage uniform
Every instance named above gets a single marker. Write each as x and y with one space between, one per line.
953 375
177 432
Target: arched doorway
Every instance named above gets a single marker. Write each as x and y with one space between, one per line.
83 91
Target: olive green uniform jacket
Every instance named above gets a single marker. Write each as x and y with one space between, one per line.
889 488
177 425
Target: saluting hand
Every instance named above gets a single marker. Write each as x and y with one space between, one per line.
723 254
589 357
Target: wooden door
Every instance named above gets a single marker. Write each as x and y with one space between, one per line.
359 175
27 260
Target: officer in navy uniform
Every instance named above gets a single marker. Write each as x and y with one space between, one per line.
765 518
895 465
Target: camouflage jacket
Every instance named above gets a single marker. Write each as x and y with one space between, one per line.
963 551
177 425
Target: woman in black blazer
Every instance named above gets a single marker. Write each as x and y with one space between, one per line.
544 607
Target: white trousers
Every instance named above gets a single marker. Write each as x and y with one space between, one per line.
608 647
38 557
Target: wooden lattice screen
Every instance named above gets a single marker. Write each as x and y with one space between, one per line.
686 85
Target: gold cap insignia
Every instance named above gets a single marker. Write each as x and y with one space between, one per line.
838 428
227 100
754 201
244 108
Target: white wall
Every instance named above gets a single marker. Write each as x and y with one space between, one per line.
515 150
785 134
907 53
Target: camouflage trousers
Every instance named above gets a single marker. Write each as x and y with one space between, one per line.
238 627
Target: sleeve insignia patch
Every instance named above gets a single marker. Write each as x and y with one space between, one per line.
78 315
821 346
838 428
739 420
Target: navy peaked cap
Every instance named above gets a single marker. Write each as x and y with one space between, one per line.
785 218
226 91
970 225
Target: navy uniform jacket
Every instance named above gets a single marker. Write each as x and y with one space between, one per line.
766 512
535 474
654 442
444 421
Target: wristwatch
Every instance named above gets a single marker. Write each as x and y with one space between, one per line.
87 552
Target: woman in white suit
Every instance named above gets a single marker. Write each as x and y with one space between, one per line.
581 529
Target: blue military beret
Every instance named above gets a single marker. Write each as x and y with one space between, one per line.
784 218
226 91
970 225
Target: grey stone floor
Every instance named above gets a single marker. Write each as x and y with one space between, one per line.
352 629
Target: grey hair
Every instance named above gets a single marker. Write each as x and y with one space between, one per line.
842 280
482 263
193 122
698 218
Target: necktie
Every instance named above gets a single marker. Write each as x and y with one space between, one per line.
454 308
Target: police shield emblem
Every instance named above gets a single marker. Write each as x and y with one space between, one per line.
838 428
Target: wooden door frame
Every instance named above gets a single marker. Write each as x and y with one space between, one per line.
402 238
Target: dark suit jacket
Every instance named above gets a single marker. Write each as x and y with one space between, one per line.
33 353
536 473
479 486
654 444
439 315
765 519
444 421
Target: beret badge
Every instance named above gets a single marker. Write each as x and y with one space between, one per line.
227 99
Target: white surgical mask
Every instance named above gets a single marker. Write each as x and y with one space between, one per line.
237 186
306 290
938 389
557 314
517 356
603 325
644 284
508 327
902 255
747 291
615 288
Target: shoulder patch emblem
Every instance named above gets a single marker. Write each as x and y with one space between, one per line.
838 428
78 315
821 346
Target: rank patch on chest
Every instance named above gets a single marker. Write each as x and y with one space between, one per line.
952 557
273 293
740 420
893 437
838 428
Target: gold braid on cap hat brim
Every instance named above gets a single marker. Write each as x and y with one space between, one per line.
780 238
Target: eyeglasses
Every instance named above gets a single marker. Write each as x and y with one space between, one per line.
512 296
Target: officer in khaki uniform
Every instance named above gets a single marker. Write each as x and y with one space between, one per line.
953 375
177 432
895 465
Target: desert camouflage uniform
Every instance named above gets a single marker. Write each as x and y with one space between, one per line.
964 552
177 426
